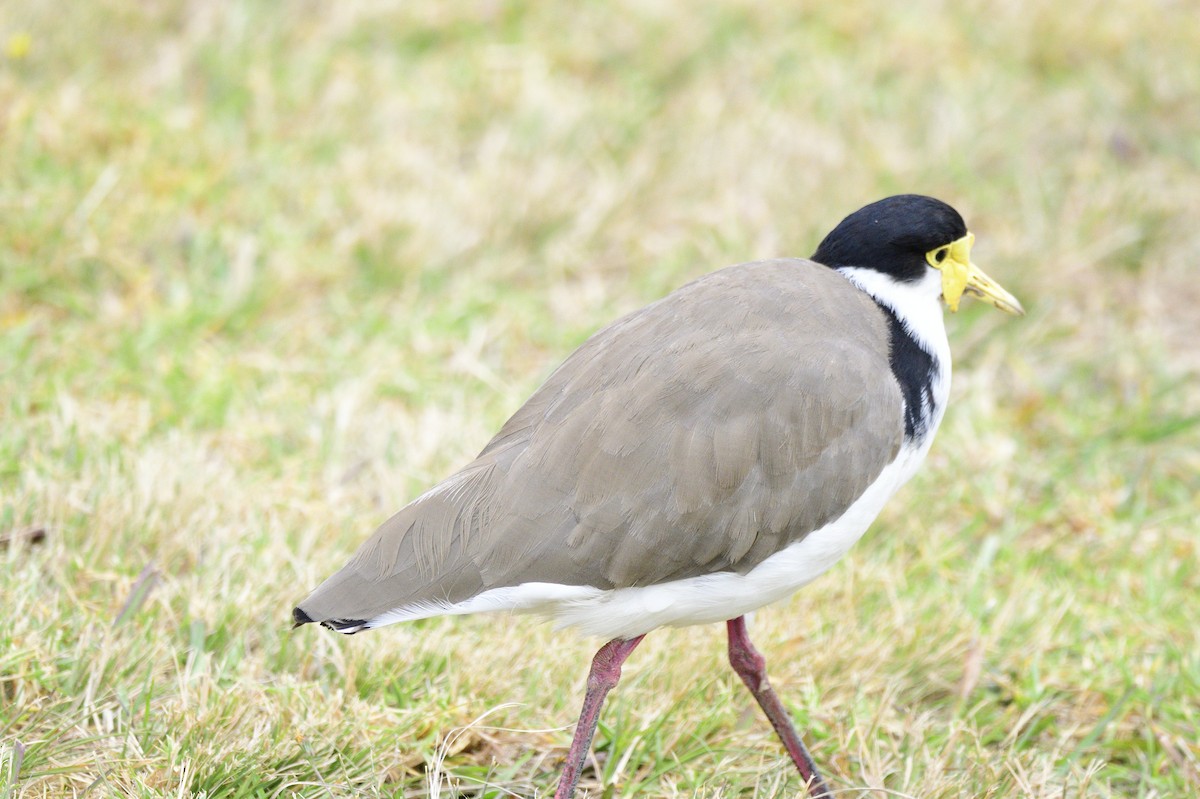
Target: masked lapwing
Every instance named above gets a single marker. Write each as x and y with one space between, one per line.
697 459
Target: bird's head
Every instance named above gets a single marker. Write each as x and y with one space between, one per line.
905 236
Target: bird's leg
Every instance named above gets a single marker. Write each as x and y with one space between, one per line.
606 671
752 668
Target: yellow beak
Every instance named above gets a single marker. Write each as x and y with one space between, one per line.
960 276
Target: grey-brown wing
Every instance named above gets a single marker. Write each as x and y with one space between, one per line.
702 433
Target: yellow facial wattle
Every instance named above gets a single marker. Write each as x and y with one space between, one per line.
960 276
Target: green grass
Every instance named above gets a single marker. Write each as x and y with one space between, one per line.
267 271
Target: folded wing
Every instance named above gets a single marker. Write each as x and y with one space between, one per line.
700 434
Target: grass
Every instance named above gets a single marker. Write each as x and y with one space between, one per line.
266 272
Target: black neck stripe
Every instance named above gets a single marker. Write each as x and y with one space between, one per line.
914 369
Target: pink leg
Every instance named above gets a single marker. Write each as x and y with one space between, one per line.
752 668
606 671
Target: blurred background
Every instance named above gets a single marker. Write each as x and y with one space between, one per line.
267 271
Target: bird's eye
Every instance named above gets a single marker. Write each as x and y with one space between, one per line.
941 254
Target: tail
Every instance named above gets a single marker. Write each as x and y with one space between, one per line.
345 626
416 565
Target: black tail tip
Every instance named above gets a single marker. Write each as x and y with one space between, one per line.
300 618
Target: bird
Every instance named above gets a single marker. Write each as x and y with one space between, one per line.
695 460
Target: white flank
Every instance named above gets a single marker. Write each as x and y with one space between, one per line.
709 598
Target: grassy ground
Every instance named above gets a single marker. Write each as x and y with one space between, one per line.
268 270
